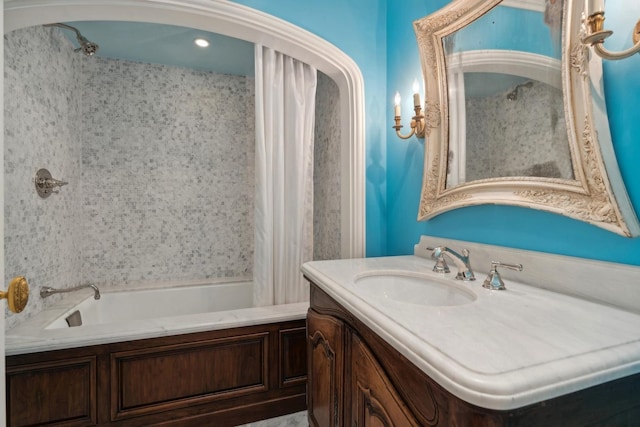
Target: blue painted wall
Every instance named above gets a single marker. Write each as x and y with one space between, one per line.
378 35
404 157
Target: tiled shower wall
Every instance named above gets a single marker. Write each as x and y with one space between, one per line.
326 171
160 167
167 193
42 119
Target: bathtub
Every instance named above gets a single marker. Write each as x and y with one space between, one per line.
130 306
152 311
198 354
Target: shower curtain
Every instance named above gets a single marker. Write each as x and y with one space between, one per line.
285 114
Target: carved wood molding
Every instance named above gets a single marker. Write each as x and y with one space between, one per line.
427 26
594 207
430 201
374 408
319 339
578 59
432 116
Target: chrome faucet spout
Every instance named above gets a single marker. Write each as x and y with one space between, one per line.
47 291
96 291
461 260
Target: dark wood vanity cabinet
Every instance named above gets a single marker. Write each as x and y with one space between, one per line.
374 399
371 395
346 384
326 369
356 379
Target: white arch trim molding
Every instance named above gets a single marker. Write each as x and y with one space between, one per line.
235 20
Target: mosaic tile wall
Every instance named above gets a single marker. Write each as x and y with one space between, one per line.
159 162
326 172
41 122
537 146
168 194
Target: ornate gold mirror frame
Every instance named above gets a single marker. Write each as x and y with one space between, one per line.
596 194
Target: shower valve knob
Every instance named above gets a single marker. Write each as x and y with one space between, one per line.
46 184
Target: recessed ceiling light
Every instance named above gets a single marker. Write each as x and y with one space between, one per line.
201 42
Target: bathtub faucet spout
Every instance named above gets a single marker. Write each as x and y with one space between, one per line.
47 291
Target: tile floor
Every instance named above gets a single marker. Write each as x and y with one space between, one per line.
299 419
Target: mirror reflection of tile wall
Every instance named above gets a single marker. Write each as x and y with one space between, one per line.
500 143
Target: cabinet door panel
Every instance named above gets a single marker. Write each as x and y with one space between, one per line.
326 362
375 402
61 393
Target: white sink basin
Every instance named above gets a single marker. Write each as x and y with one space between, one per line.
413 288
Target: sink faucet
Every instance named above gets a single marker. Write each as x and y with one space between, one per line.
493 280
462 262
47 291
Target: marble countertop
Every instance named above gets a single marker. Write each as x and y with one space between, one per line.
506 349
31 336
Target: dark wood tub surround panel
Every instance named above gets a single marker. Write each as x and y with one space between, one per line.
357 379
39 392
180 375
220 378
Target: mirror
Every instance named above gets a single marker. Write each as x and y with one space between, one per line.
515 112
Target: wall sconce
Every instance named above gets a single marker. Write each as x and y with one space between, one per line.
596 34
418 125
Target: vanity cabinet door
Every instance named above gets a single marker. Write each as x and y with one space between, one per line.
326 370
374 401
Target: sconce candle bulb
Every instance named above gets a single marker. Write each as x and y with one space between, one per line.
396 102
418 125
595 6
596 34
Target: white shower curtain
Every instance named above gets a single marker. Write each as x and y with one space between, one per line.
285 114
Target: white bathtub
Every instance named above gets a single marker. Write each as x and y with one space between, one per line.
128 306
124 315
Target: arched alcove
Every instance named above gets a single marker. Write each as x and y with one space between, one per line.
239 21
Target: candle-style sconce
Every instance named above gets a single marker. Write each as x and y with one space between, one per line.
418 122
596 34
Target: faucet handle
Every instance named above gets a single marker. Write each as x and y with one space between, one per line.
438 255
493 280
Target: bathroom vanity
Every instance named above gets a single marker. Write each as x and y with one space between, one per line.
524 356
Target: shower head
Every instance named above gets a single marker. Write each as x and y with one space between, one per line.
513 95
86 47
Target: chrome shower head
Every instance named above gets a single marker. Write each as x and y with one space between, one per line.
513 95
86 47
